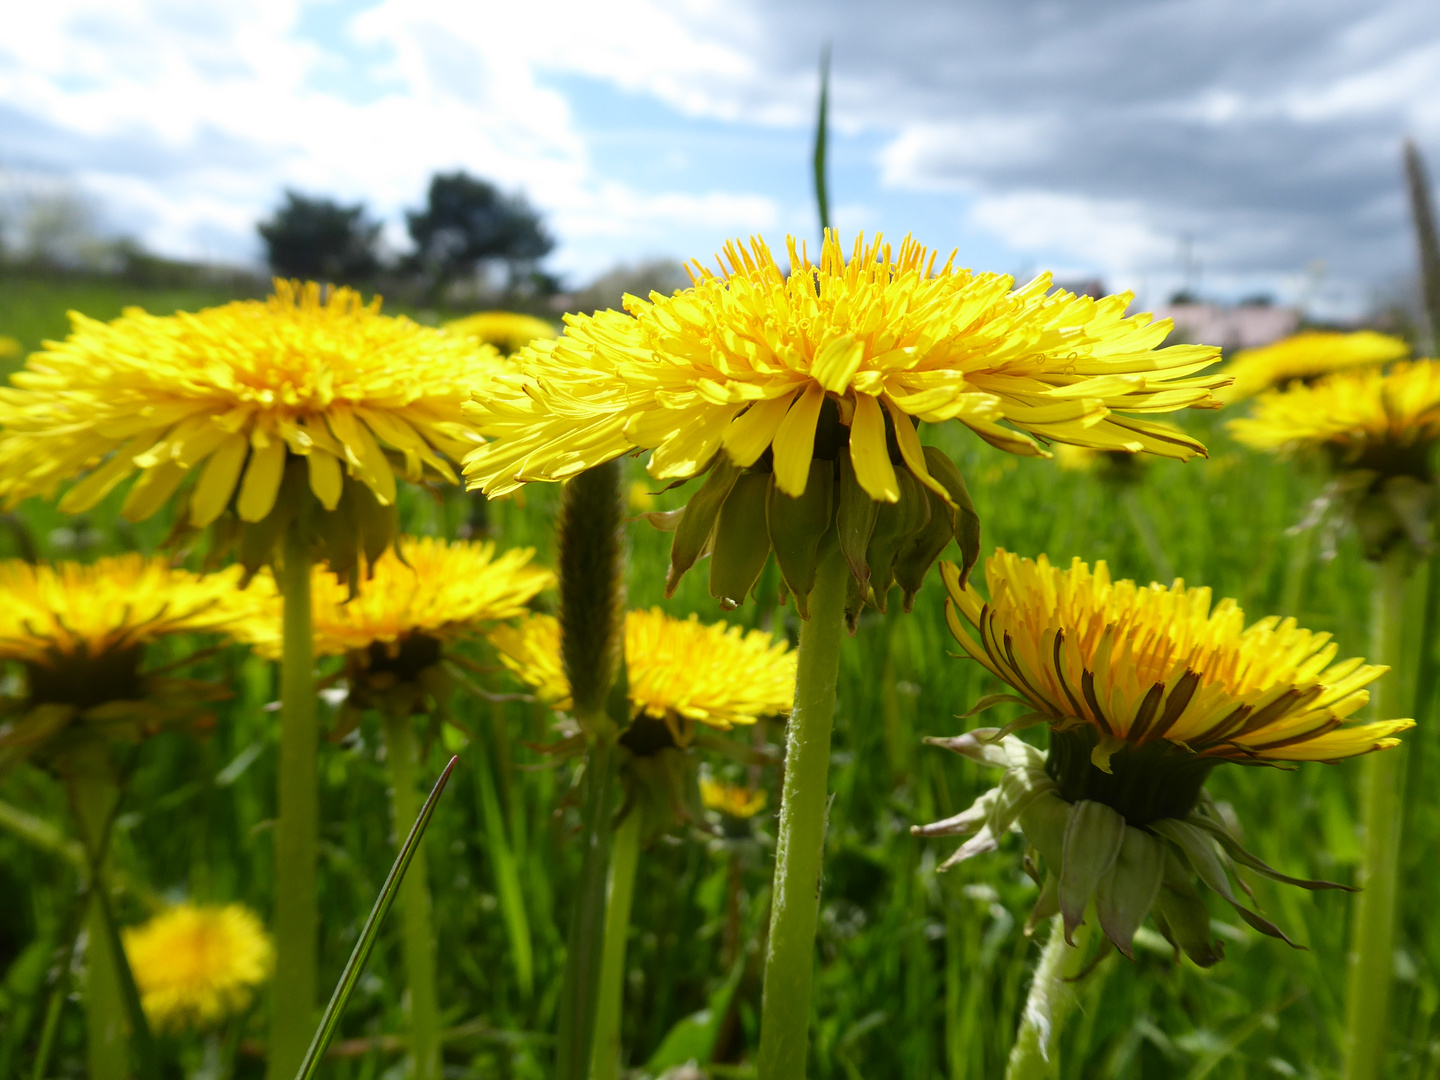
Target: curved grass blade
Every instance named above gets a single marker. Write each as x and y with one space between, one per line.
353 967
822 131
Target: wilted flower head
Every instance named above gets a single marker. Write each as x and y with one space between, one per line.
194 966
680 671
800 392
311 394
1144 691
80 631
508 331
1376 430
1306 356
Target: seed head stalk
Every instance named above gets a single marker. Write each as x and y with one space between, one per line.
790 959
418 928
1367 1010
297 919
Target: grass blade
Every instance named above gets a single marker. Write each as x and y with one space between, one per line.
822 127
351 975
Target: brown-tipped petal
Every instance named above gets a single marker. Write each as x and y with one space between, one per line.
698 520
796 527
1092 844
742 543
1126 894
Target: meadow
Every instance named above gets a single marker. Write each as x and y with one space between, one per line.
918 974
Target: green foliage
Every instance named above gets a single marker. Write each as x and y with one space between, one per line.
919 975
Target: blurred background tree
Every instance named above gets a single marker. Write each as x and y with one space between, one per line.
321 240
469 227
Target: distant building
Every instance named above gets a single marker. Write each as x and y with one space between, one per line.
1245 326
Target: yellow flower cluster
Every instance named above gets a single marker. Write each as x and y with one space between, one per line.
1350 412
425 586
1140 665
1307 356
231 391
745 359
194 966
508 331
114 604
679 669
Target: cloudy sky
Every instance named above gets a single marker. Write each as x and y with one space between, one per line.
1103 138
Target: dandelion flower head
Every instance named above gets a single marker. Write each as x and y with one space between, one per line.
1306 356
731 800
507 331
194 965
681 671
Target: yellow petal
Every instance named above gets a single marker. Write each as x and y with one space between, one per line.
262 480
913 452
152 489
752 431
102 481
325 478
836 363
868 452
795 442
217 480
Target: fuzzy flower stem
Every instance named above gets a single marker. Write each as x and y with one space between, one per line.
297 919
94 794
591 559
1049 1004
624 859
790 959
418 928
1372 936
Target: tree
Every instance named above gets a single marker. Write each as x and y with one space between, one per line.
467 224
320 240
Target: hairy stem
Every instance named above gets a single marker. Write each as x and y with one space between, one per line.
790 958
297 918
1372 936
1048 1005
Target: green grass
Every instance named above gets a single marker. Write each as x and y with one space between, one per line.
920 975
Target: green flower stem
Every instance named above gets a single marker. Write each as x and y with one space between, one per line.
297 920
584 944
1372 936
418 928
1049 1004
624 859
790 958
94 793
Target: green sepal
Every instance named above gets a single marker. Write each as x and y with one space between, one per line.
855 515
796 526
854 603
1183 918
693 530
895 523
1047 905
919 552
1126 894
1241 855
1092 844
742 540
965 522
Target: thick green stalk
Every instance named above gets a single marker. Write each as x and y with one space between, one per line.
584 944
418 928
1049 1004
297 920
94 794
790 958
1372 935
624 858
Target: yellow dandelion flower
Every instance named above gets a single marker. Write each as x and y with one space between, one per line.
1306 356
425 587
815 380
1355 415
639 497
80 631
194 966
1123 666
9 348
508 331
1144 690
681 671
311 389
732 800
